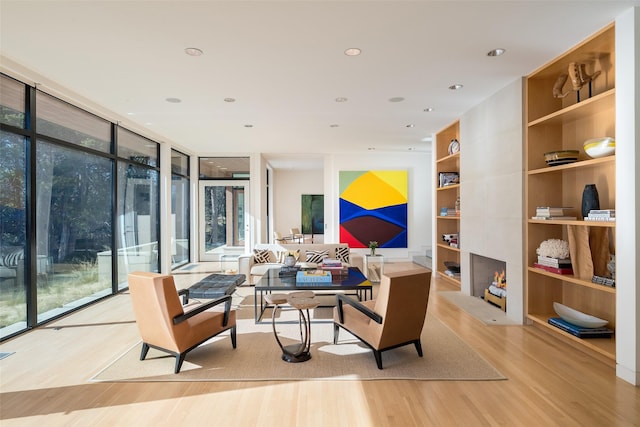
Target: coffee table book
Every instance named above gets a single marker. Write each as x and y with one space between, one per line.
579 331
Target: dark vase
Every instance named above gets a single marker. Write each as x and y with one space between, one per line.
590 199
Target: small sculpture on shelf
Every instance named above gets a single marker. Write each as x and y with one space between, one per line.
579 78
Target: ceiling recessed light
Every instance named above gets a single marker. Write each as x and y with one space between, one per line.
410 125
456 86
371 149
193 51
174 100
496 52
352 51
396 99
341 99
229 100
428 110
248 126
334 125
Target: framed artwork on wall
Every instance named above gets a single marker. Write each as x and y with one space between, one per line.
373 207
312 214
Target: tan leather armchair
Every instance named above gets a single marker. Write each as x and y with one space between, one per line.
163 323
395 318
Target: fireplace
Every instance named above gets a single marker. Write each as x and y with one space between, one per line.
483 272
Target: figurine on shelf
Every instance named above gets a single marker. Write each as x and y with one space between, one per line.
579 78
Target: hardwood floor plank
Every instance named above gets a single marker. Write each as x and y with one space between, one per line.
549 383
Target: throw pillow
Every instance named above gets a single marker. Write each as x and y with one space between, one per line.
261 256
317 256
342 254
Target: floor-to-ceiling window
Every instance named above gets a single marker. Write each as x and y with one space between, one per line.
138 210
79 202
180 184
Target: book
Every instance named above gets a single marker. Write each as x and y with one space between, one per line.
313 276
554 269
579 331
331 263
286 271
607 281
553 211
554 262
556 218
446 179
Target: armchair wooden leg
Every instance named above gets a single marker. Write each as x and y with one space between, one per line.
378 355
145 350
418 347
336 331
233 337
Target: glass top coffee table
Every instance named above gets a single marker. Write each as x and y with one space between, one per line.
355 283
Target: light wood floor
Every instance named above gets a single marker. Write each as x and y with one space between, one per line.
45 383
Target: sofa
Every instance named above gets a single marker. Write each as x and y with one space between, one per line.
266 256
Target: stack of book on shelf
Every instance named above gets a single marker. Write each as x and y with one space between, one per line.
580 331
601 280
449 212
334 267
554 265
453 269
554 213
313 276
601 215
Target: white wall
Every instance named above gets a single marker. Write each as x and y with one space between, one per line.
627 201
288 187
420 212
491 165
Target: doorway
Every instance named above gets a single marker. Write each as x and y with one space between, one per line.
223 225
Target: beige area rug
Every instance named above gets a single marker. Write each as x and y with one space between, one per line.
478 308
258 357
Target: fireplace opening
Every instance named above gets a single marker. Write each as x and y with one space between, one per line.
488 274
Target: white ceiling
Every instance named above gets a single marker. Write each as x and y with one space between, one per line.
284 64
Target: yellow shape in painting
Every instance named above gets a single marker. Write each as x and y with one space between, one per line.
376 189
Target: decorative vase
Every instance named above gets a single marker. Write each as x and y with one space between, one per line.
590 199
373 251
290 261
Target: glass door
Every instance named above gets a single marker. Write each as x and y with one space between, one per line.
223 225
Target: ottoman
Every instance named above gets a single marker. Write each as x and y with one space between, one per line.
216 286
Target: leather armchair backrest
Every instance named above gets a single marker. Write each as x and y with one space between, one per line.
402 301
155 303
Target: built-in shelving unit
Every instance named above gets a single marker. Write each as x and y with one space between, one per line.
560 124
446 196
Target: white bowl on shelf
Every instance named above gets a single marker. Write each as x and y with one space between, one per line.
600 147
578 318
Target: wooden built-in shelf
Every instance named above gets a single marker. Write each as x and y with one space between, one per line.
571 279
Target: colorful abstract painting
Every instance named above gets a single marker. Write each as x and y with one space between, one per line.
373 207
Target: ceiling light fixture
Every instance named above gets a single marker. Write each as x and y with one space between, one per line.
174 100
193 51
334 125
229 100
428 110
456 87
496 52
248 126
352 51
341 99
371 149
396 99
410 125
